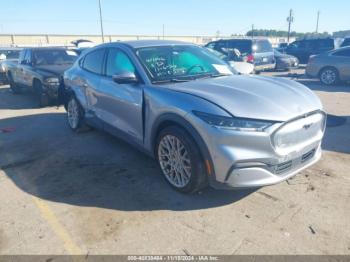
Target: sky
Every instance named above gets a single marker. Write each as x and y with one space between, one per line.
180 17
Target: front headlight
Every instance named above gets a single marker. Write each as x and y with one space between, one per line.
234 123
52 81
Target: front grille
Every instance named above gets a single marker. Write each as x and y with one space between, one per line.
281 169
308 156
298 133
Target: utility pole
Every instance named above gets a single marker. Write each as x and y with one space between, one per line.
163 31
318 19
252 31
101 21
290 20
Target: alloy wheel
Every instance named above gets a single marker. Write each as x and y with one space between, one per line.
174 161
73 113
328 77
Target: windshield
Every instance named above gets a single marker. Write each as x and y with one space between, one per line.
181 63
54 57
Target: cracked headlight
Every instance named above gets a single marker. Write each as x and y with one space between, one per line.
234 123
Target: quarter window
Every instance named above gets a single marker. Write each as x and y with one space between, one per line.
118 62
27 57
93 61
21 56
342 53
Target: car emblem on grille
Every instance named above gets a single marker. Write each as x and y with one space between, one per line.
307 126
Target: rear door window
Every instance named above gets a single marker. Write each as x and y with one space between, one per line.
93 62
326 44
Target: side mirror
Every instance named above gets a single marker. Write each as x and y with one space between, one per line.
125 78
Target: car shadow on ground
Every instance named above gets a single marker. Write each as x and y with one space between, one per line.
337 137
10 101
47 160
314 84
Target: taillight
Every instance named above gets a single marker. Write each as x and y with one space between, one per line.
250 59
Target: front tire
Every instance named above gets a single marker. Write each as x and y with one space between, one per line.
43 99
329 76
15 89
75 115
180 160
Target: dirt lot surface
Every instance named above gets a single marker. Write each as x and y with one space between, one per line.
90 193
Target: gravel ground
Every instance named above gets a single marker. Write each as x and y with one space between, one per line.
90 193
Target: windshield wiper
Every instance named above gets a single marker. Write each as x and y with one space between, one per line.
172 80
210 75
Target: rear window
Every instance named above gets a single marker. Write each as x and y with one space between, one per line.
244 46
263 46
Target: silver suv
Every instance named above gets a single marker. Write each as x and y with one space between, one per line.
182 105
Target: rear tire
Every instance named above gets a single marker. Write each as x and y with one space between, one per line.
75 116
180 160
329 76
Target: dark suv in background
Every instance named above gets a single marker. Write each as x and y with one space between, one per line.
303 49
40 69
346 42
256 51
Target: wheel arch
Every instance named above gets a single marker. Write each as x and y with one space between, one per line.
171 119
36 80
325 67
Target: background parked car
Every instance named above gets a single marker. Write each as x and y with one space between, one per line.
8 55
258 52
236 62
330 67
285 62
40 69
303 49
81 45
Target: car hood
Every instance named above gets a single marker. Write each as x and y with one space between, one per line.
56 70
254 97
